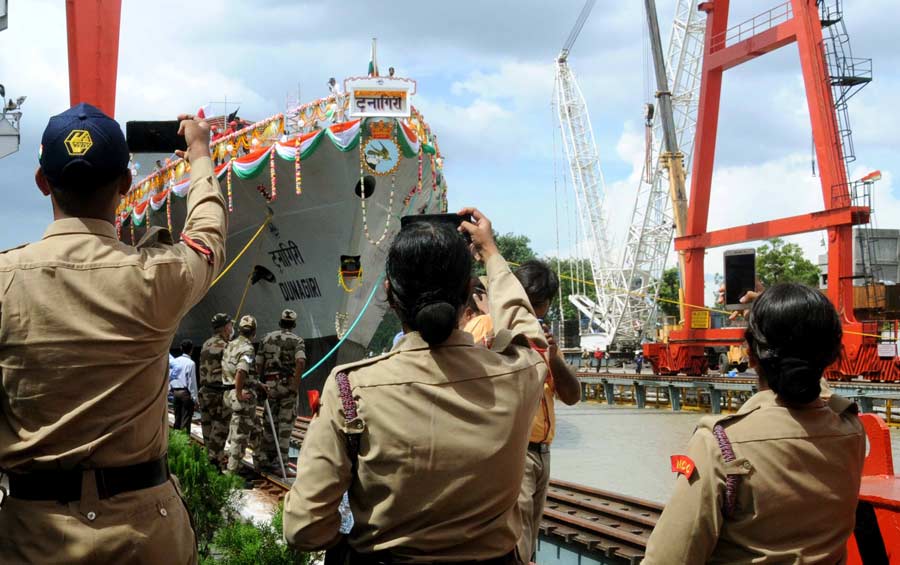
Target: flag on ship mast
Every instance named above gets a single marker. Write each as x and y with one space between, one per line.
373 62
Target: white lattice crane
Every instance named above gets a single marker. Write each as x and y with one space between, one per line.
625 308
587 180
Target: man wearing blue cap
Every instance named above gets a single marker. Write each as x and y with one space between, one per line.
85 326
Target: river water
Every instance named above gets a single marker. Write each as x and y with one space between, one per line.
626 450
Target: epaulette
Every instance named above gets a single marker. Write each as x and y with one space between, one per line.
363 362
711 421
840 405
504 339
199 247
14 248
156 236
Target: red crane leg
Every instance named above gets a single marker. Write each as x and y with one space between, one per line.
93 27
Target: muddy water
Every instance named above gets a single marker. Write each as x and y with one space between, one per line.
627 450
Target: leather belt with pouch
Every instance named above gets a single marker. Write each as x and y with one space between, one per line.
538 447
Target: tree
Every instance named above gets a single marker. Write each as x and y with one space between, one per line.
668 292
514 248
777 261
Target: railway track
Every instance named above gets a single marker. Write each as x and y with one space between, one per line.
721 379
596 522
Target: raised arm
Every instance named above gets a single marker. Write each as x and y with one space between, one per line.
311 509
203 235
509 305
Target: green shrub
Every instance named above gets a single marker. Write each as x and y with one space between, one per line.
207 492
241 543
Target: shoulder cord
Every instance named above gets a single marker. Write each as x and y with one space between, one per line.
349 406
731 481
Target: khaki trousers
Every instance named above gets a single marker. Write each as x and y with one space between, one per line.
148 526
532 497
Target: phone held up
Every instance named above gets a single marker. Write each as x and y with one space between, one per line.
154 137
740 277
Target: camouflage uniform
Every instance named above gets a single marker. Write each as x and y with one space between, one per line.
215 413
244 428
278 355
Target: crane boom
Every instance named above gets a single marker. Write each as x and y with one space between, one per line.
671 159
587 179
576 29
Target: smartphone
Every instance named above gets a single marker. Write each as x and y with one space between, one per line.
452 220
154 137
740 277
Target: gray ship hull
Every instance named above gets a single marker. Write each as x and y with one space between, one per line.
298 253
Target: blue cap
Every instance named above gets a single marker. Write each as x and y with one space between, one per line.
83 145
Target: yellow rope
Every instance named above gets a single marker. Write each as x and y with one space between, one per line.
239 255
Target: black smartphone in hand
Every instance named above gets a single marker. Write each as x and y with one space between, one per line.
154 137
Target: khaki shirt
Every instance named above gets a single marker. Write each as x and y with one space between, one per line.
85 327
211 360
443 435
239 356
799 471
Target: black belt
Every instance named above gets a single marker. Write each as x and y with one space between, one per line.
386 558
65 486
179 389
217 386
538 447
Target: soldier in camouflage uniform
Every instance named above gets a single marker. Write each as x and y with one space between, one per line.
215 414
281 360
239 376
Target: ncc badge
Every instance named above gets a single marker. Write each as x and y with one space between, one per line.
78 142
683 464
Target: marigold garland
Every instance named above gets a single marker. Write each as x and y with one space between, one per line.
433 175
272 173
298 188
228 185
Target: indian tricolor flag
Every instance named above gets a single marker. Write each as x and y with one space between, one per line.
373 62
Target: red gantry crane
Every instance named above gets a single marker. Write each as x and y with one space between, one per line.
830 77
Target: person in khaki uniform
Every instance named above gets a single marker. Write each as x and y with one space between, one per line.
215 414
441 425
541 285
85 327
778 481
239 378
281 360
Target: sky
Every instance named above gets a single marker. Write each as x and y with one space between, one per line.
485 75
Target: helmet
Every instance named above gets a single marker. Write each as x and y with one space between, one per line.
220 320
247 322
288 316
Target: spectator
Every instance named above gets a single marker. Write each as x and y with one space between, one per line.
478 321
183 386
778 481
541 285
433 472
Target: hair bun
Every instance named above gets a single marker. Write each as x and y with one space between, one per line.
435 321
797 380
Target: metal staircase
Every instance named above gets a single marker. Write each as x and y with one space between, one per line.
848 75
